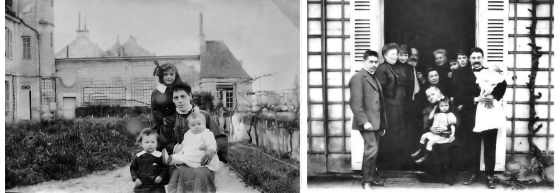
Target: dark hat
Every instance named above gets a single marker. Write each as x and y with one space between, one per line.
181 86
460 52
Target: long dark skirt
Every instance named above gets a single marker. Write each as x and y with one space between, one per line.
153 188
443 164
185 179
466 136
395 145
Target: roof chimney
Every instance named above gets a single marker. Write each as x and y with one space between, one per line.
81 32
202 39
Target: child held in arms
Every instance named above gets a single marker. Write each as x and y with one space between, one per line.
189 152
147 168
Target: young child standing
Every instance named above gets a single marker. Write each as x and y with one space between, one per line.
147 168
442 119
197 136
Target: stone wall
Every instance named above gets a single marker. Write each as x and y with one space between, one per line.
275 132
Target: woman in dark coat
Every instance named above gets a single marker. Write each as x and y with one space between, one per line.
463 90
442 164
392 79
182 177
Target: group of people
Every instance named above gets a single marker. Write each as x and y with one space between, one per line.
184 146
412 116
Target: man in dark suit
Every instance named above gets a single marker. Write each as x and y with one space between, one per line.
366 102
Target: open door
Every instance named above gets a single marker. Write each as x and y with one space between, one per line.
69 107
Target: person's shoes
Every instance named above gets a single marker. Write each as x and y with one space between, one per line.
470 180
490 182
416 153
377 183
421 160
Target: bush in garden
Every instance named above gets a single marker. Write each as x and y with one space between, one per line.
263 171
64 149
111 111
204 100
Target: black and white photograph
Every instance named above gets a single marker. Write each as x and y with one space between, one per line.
152 96
428 95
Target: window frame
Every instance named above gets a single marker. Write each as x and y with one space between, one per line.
26 47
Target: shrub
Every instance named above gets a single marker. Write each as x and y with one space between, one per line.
63 149
204 100
111 111
265 172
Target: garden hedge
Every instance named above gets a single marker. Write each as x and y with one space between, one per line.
63 149
265 171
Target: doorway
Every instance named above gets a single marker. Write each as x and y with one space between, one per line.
69 107
431 24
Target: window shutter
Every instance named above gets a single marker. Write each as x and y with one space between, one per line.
360 36
492 37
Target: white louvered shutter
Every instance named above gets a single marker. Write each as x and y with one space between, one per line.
366 34
493 39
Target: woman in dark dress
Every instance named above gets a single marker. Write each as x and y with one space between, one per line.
393 78
161 101
412 113
442 164
463 90
184 178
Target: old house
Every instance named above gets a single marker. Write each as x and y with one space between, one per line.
123 75
29 59
338 32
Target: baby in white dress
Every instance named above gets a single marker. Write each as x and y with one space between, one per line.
488 80
197 135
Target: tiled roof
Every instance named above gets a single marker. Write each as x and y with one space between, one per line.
219 62
81 47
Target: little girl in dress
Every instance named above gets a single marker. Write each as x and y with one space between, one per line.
197 135
489 115
443 119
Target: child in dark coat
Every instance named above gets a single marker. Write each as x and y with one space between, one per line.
147 168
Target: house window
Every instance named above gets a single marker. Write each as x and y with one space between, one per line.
26 47
226 95
9 43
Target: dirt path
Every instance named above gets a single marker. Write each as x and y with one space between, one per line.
119 181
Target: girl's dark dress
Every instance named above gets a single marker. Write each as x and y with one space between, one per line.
147 167
163 109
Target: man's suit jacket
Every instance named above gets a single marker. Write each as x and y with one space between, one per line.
366 101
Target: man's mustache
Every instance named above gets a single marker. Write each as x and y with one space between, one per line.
413 60
476 63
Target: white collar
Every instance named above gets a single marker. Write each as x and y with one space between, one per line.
368 71
161 88
183 112
155 153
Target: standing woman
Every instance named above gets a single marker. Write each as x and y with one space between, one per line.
393 79
162 103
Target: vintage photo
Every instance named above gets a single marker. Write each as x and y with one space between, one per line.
152 96
407 94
